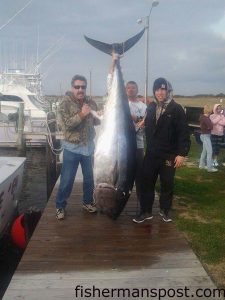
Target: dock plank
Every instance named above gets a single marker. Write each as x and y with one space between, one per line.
91 250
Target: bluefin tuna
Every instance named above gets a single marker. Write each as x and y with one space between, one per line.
115 153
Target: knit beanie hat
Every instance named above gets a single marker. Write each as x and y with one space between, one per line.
160 83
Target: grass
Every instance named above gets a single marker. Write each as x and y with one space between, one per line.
198 101
195 101
199 208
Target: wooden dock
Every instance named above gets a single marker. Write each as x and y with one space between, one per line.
113 259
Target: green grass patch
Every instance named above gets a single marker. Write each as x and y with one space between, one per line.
200 207
198 101
206 239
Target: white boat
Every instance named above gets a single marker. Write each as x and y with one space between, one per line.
17 87
11 175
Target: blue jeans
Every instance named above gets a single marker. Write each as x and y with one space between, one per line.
68 172
206 156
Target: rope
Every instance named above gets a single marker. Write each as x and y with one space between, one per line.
49 136
122 55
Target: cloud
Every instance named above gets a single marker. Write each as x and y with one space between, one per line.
219 27
186 41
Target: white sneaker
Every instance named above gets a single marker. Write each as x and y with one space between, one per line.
205 168
143 217
90 207
166 217
60 214
215 163
212 170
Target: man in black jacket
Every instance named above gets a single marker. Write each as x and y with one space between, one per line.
168 142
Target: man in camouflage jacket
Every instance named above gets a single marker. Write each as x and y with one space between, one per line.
77 123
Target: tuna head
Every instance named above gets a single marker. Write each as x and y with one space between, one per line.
115 154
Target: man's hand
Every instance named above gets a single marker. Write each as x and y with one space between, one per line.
115 57
140 124
100 112
179 161
134 118
85 110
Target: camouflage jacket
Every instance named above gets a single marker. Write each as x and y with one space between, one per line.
75 129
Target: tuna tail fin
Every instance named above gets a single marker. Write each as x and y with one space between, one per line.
119 48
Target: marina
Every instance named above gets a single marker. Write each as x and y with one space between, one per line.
87 250
21 108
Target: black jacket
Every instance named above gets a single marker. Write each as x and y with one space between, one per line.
170 136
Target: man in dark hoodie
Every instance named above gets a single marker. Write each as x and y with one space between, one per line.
168 142
77 123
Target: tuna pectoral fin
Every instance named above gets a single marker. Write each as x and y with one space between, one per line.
109 200
119 48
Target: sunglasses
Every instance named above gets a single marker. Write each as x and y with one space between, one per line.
77 87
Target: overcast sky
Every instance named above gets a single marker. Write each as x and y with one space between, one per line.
186 42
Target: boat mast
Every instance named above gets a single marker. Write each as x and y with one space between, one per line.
90 84
37 54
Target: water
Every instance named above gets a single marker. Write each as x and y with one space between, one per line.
33 195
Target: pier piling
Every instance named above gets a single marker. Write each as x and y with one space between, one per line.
20 138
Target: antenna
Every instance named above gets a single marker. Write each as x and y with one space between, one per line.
1 52
37 54
60 89
50 51
25 56
90 84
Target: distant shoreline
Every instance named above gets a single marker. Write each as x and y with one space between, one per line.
195 101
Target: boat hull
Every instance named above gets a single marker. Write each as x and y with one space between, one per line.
11 176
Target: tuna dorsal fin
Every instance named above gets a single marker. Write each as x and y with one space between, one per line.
119 48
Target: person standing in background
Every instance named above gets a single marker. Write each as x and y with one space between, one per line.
217 132
206 126
138 111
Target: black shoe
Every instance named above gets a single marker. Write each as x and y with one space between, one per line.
161 212
143 217
166 217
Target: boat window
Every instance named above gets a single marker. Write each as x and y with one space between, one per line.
10 98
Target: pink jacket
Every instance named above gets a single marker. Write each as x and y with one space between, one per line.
218 121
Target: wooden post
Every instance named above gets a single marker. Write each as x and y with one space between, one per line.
20 137
51 157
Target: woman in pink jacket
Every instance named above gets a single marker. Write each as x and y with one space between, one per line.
218 121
